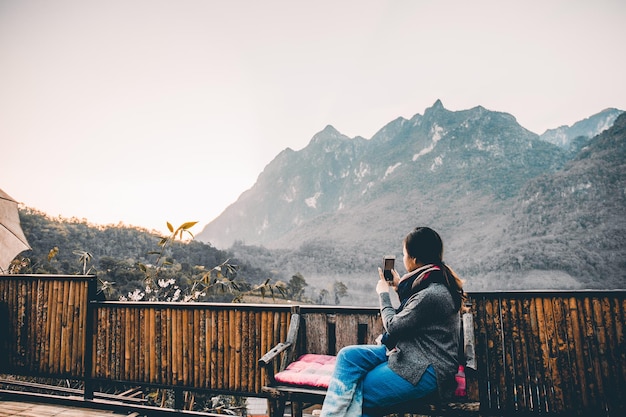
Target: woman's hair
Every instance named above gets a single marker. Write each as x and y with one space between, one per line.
426 246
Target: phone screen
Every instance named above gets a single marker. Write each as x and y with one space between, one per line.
388 264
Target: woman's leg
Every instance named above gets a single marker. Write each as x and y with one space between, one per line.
344 396
383 387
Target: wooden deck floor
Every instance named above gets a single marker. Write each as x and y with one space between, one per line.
26 409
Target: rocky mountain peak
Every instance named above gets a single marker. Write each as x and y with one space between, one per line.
565 136
328 133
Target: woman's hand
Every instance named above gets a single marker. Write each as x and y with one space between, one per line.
383 285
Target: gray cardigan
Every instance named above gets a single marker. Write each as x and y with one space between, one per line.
428 329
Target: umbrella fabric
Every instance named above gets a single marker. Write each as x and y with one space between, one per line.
12 239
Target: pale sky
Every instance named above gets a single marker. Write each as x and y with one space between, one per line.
150 111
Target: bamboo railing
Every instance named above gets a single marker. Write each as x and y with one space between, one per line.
551 351
192 345
43 322
539 352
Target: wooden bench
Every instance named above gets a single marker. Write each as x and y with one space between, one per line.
535 352
302 396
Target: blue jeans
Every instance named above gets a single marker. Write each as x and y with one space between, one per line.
362 378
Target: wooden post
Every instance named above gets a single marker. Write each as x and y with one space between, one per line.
89 340
179 401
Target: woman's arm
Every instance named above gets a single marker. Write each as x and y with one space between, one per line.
427 306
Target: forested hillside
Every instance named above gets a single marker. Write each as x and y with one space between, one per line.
72 246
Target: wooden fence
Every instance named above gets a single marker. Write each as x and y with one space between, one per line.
193 345
43 322
535 351
551 351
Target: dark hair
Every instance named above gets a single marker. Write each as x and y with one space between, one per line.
426 246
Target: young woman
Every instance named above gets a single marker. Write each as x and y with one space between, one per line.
419 355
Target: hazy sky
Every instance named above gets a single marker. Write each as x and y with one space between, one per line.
150 111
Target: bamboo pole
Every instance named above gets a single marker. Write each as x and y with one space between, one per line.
141 356
82 339
482 349
587 334
64 339
134 343
97 362
32 311
561 328
109 318
188 348
575 352
556 392
602 367
517 361
128 329
15 298
543 355
198 341
177 360
152 341
252 343
166 348
233 376
265 344
239 348
111 343
614 386
38 340
221 337
156 346
258 336
508 354
530 344
19 320
214 349
75 302
181 348
226 371
523 362
208 326
493 375
619 311
107 344
119 341
52 324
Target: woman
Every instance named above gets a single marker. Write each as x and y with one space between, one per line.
419 355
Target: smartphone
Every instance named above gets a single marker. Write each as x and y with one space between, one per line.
388 264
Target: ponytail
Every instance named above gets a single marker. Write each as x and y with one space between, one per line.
454 284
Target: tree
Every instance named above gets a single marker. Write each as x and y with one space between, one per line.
296 287
340 290
322 298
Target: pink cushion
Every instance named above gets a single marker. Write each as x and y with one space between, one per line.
310 370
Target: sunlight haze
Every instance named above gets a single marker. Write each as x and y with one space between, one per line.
144 112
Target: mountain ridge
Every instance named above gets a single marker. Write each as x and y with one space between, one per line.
461 172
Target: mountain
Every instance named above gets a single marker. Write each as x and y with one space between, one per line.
349 200
567 136
574 220
463 152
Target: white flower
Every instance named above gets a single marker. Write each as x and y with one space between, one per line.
165 283
136 295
